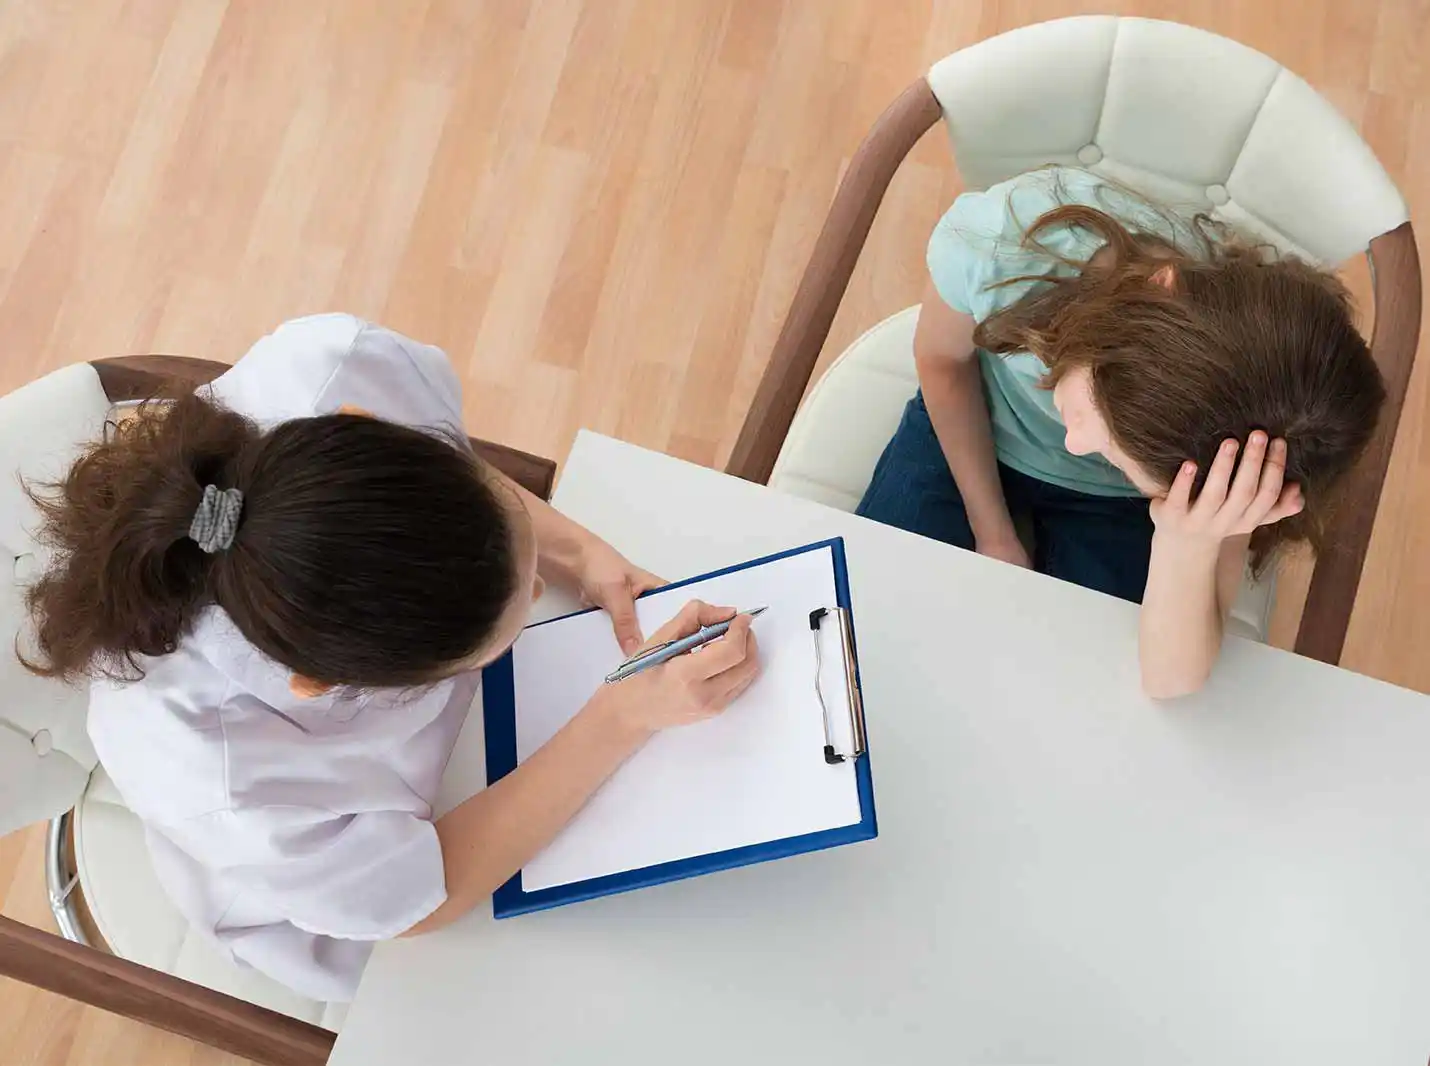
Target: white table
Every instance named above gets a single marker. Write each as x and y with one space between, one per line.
1066 872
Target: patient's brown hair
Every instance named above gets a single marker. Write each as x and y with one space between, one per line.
1233 341
367 553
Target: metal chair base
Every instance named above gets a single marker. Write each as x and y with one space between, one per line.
61 882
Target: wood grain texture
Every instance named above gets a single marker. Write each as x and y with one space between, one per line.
602 211
85 975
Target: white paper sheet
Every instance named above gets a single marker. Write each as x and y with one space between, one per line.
751 775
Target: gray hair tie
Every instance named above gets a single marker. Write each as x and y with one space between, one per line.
216 520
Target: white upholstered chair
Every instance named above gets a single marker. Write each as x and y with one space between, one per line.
48 770
1192 120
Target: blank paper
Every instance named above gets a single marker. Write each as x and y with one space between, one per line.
751 775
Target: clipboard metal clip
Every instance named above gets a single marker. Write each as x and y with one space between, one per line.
832 753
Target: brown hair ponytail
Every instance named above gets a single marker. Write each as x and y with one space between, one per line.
366 553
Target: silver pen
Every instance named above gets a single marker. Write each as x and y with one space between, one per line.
671 648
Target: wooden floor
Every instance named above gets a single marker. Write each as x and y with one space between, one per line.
600 208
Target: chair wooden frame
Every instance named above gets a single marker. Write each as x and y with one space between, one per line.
111 983
137 377
1395 268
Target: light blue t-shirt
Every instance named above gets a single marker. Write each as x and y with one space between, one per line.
975 245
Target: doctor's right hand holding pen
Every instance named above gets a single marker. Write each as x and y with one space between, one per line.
688 687
499 830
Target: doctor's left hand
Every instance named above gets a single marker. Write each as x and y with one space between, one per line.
609 581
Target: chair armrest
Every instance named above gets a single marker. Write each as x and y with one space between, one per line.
1395 279
127 378
158 999
139 377
836 251
536 475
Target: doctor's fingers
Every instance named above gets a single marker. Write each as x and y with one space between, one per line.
723 689
723 653
691 617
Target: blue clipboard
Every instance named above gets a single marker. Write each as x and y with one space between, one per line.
499 713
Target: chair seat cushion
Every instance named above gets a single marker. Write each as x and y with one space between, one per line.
851 413
849 416
137 921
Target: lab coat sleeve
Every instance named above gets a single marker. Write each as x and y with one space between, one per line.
367 876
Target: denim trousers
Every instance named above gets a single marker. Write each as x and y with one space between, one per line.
1100 542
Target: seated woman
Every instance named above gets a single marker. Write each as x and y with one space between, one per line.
1158 398
284 605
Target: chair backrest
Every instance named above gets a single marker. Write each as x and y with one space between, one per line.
1184 116
45 753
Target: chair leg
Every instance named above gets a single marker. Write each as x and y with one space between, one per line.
61 880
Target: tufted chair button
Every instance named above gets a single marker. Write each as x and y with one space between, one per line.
42 743
1089 154
1217 194
26 567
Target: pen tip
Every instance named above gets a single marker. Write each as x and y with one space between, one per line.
756 611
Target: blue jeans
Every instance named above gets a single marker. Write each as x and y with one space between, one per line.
1100 542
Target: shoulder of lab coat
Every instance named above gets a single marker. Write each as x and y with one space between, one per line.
319 364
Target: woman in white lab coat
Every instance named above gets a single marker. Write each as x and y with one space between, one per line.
282 604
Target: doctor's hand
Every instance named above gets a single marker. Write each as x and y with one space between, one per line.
606 579
690 687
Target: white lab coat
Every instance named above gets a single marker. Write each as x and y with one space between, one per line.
295 831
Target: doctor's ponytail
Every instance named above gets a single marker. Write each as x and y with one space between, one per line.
355 551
